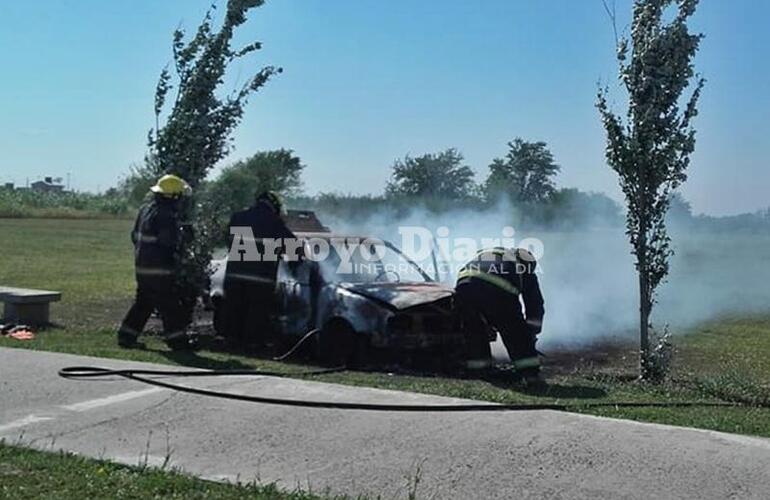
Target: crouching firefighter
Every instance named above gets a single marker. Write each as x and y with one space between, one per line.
489 293
156 236
250 280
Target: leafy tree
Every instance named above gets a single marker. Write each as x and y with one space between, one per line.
237 185
440 175
572 208
135 186
197 130
650 150
525 174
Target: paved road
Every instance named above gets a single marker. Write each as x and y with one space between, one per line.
541 454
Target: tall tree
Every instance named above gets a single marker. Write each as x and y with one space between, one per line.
442 175
235 188
650 150
197 130
570 207
525 174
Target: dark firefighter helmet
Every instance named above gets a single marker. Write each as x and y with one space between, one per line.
521 256
525 258
272 199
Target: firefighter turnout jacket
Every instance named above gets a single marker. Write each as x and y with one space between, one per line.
513 271
250 284
264 223
494 284
155 236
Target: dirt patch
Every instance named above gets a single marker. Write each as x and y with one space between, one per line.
608 356
611 356
104 313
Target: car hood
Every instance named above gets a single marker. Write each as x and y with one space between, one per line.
400 295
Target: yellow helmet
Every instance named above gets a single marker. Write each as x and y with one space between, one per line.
171 186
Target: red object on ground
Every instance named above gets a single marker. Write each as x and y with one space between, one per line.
22 335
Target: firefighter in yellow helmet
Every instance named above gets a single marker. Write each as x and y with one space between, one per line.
490 291
156 236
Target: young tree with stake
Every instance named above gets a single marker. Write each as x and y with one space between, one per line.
197 131
650 150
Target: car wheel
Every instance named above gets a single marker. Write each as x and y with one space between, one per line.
337 344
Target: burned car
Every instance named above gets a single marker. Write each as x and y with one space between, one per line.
381 306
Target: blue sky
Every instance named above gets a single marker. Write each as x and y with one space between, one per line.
367 81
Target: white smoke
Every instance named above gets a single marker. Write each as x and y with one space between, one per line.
587 275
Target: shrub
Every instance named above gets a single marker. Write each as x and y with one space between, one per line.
656 362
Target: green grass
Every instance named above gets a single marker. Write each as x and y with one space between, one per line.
65 205
26 473
732 343
90 262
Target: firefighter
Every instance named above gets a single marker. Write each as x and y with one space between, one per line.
249 287
489 293
156 235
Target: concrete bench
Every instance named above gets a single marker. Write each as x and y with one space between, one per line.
23 305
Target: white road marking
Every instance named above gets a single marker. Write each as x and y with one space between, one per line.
22 422
82 406
115 398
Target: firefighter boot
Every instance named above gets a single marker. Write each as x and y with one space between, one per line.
128 340
529 370
532 377
180 341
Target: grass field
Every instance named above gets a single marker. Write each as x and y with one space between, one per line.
32 474
90 262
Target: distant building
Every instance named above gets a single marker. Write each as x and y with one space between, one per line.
47 185
8 186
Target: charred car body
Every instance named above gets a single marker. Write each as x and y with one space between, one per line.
380 306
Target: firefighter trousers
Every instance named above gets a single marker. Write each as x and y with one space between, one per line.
248 307
156 293
481 304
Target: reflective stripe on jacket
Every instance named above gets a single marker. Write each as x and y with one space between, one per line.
502 268
153 271
490 278
524 363
156 234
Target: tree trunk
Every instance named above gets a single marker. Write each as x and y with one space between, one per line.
644 317
645 304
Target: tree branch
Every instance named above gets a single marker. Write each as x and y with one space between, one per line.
610 10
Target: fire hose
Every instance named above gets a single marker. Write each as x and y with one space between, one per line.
86 372
299 344
145 376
